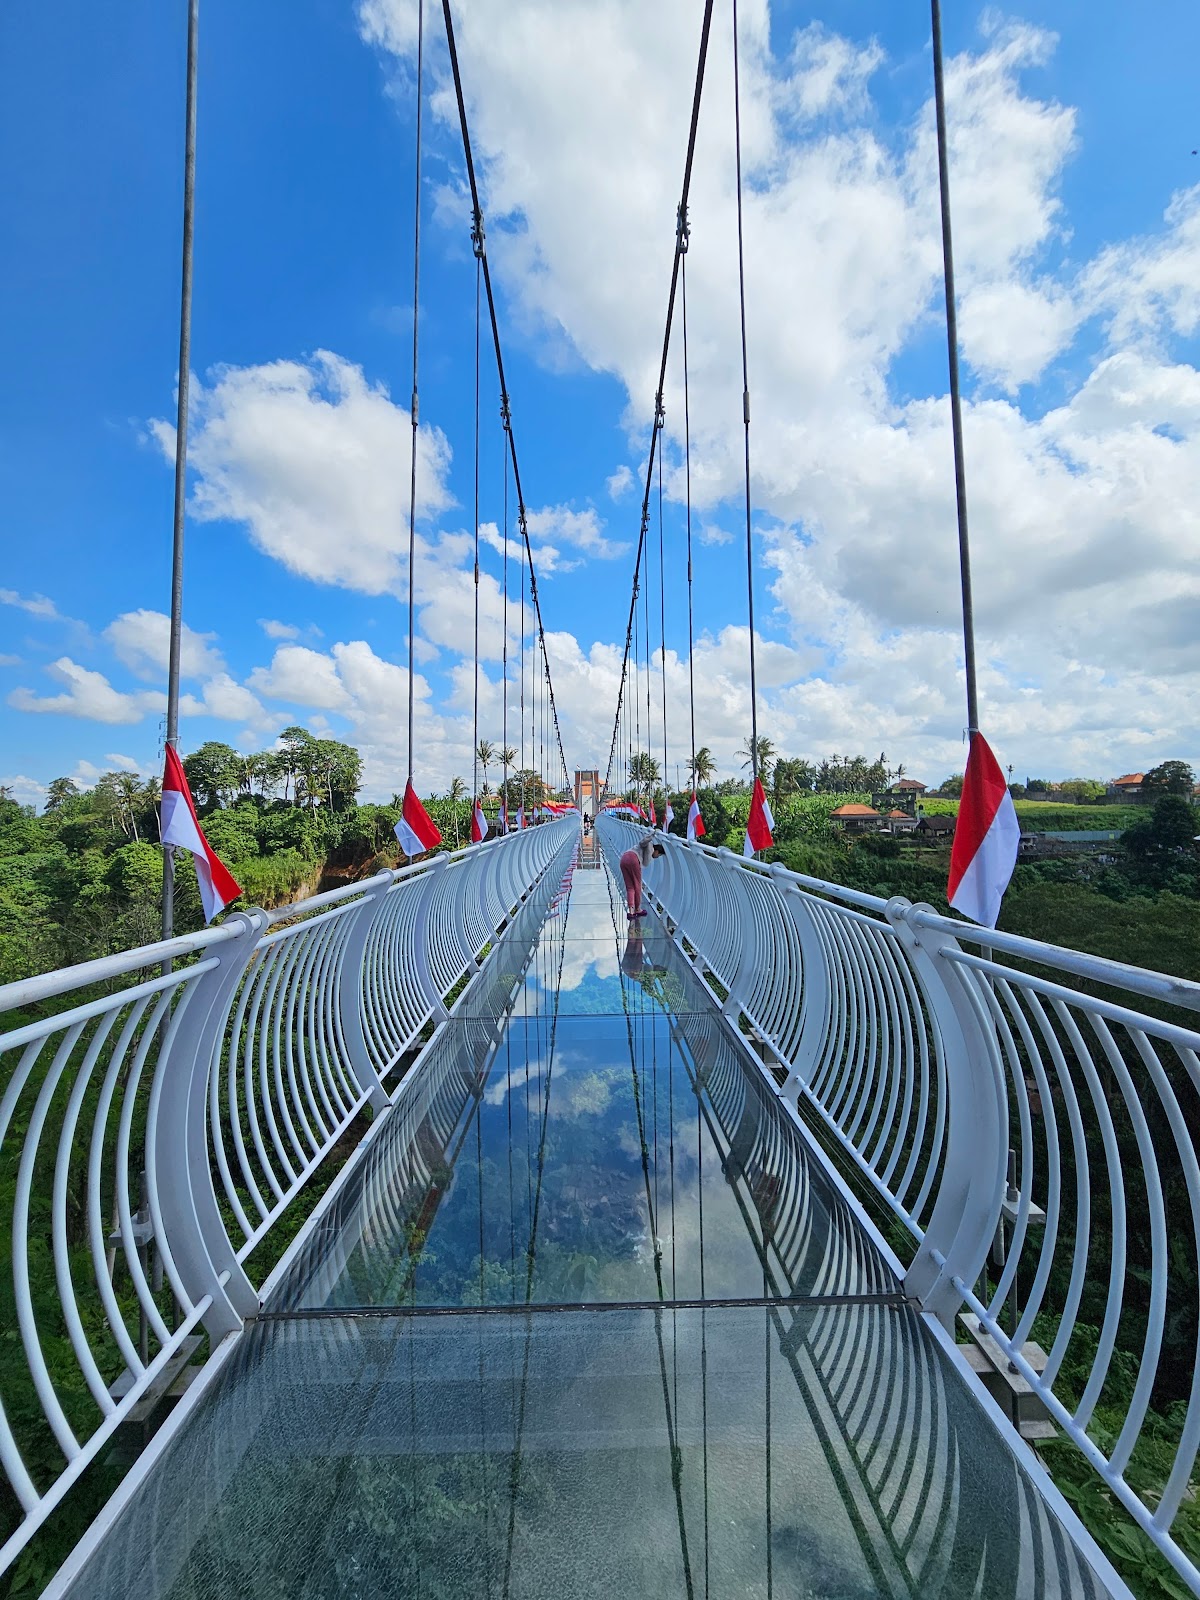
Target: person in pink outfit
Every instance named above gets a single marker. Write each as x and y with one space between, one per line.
632 864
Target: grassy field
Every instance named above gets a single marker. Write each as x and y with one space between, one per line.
1040 816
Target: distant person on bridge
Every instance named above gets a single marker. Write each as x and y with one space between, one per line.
632 864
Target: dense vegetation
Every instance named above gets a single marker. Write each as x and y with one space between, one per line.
84 878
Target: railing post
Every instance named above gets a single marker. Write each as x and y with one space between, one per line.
182 1190
971 1190
350 990
430 883
738 904
814 980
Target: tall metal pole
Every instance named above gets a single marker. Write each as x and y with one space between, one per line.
960 472
181 431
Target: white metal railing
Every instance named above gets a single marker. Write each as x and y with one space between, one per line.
162 1107
1026 1113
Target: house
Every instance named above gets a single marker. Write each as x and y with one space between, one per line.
907 786
1128 787
900 822
938 829
855 818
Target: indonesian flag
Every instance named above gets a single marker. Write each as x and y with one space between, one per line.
653 815
668 815
696 829
416 830
760 823
502 818
181 828
520 818
985 840
478 822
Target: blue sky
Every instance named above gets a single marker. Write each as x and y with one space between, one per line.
1077 202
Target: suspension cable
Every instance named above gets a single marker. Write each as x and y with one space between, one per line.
475 715
412 486
491 301
662 638
687 462
737 140
706 28
504 654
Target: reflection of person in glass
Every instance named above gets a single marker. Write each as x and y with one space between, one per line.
635 965
633 862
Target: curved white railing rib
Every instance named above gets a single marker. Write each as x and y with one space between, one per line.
1021 1111
156 1125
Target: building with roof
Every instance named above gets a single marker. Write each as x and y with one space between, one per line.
937 828
1127 787
900 821
856 818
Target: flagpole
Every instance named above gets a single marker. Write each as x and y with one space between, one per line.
960 473
181 427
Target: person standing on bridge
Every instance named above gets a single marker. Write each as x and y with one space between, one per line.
633 863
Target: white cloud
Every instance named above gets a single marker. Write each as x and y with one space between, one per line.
1151 287
37 605
87 694
301 677
278 630
25 791
619 482
141 640
315 461
10 661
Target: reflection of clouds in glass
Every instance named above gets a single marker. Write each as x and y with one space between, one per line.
581 958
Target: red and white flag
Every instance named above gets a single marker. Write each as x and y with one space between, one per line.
696 829
520 818
180 827
416 830
502 818
478 822
760 824
985 839
668 815
653 815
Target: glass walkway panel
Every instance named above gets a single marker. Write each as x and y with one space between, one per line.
587 1316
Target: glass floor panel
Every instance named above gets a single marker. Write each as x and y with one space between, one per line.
585 1318
579 1160
824 1451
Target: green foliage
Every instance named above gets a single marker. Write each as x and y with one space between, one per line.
1170 777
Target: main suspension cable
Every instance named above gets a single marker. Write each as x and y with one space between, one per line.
687 465
475 716
477 214
706 28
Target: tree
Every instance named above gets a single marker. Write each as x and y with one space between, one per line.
952 785
457 790
214 772
59 791
485 752
507 756
791 776
1169 777
703 769
644 769
759 754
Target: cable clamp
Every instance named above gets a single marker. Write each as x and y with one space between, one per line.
660 415
478 234
683 232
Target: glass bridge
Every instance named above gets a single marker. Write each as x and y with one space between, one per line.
586 1315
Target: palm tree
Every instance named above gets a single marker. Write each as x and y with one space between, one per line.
703 767
486 753
455 793
644 768
507 756
764 749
